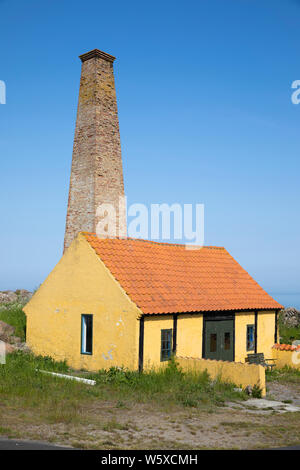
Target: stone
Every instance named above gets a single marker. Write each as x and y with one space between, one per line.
23 295
23 347
6 330
19 296
290 316
9 348
96 173
8 296
15 340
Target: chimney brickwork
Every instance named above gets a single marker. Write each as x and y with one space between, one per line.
96 173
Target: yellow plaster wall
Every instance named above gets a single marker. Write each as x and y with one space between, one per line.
265 333
80 283
189 335
233 372
241 322
286 358
152 339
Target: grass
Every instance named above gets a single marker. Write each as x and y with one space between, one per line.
14 316
21 385
284 375
123 404
61 400
169 386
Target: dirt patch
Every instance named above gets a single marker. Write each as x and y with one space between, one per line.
104 425
289 393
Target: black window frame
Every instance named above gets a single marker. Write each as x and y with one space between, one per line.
248 348
163 356
83 316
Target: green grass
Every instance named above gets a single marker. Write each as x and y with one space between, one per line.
22 386
284 375
168 386
62 400
14 316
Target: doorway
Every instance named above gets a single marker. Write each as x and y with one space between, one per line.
218 338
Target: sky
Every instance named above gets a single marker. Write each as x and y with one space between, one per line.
204 98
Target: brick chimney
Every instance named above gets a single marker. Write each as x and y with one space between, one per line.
96 174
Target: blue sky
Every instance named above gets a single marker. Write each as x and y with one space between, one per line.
204 97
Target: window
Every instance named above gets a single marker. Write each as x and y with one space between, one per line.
166 344
227 341
213 342
86 334
250 338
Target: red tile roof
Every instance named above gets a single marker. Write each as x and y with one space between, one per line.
287 347
168 278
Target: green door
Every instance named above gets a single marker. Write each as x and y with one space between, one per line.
219 340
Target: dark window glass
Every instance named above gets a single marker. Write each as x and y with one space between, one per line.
250 337
166 345
213 342
86 334
227 341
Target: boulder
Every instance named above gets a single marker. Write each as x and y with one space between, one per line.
290 316
14 340
8 296
6 330
9 348
19 296
23 295
23 347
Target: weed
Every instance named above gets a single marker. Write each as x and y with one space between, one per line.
256 391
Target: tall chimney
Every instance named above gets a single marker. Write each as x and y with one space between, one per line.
96 174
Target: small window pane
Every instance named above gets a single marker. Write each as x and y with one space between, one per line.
166 344
227 341
250 337
213 342
86 334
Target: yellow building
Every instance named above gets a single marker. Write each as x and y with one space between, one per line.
132 303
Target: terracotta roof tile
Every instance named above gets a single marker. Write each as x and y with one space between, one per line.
167 278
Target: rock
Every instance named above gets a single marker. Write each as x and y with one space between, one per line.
23 295
23 347
20 295
15 340
290 316
248 390
6 330
9 348
8 296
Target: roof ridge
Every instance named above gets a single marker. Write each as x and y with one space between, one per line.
93 234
